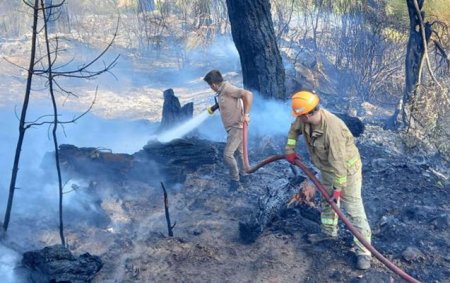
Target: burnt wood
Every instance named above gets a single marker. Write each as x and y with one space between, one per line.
168 162
57 264
270 205
173 113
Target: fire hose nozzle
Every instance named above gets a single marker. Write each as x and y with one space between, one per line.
213 108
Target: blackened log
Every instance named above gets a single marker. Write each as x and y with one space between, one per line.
170 162
181 156
269 206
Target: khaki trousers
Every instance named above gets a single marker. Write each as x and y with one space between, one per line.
232 148
352 204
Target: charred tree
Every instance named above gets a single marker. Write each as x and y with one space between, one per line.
55 118
254 37
23 115
50 56
173 113
415 53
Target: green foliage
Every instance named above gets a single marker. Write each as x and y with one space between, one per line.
439 9
398 9
433 8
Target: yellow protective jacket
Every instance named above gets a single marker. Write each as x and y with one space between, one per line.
330 144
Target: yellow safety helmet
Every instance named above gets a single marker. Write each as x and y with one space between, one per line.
304 102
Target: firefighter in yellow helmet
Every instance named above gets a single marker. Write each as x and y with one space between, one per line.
332 150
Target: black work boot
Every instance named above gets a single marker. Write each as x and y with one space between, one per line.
234 186
363 262
244 178
320 237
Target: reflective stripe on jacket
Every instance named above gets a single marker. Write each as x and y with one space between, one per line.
330 144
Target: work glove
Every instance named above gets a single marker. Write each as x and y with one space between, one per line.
336 197
291 157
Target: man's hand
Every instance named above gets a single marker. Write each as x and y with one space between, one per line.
246 118
291 157
336 197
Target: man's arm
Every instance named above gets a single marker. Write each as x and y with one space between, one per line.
294 132
247 99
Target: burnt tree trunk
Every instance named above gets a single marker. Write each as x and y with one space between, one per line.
173 113
254 37
23 115
415 52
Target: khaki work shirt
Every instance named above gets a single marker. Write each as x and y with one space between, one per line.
230 105
330 144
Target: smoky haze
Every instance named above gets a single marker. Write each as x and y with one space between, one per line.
36 198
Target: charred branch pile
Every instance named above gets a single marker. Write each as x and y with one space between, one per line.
57 264
181 156
93 162
157 162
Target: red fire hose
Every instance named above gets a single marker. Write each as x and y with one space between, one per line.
324 193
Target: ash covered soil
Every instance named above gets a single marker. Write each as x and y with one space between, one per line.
406 195
406 198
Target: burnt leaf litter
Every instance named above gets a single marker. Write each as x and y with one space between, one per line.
405 196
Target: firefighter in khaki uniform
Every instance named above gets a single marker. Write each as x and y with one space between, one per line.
332 150
234 104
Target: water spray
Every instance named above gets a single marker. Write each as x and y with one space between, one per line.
186 127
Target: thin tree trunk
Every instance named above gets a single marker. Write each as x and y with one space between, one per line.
23 115
55 126
413 64
166 210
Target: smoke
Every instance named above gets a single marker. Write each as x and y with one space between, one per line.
267 118
8 260
270 117
36 198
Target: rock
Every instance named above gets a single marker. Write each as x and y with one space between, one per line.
442 222
57 264
412 254
374 277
